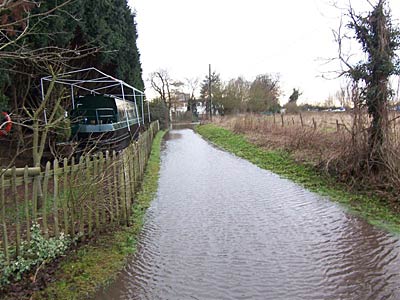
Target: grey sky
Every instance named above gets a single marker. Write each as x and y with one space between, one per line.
245 38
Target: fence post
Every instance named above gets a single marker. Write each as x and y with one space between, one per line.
314 124
131 171
71 196
65 195
3 218
55 196
44 208
301 120
115 185
122 189
35 197
110 190
26 195
17 220
40 192
283 124
135 165
80 180
142 158
337 125
89 177
126 184
139 158
100 193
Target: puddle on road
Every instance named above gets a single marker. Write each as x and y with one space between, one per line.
222 228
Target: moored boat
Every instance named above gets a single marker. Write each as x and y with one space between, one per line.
104 122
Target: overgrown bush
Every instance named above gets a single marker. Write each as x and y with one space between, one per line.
158 112
34 253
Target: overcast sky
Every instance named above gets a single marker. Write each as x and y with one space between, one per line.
291 38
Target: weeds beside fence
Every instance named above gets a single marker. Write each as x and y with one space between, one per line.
80 198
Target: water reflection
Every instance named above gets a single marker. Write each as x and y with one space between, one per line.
222 228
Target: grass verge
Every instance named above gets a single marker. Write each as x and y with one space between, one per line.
373 209
95 265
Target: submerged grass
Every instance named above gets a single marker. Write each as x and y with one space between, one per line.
95 265
373 209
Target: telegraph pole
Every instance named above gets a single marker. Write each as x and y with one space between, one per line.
209 90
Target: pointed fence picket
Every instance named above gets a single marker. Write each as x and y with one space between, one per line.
85 197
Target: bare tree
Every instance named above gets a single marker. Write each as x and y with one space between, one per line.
161 82
343 95
192 85
18 21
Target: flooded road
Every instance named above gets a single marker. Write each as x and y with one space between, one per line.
222 228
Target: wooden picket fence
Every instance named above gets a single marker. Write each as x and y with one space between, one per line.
75 197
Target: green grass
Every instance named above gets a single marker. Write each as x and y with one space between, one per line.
374 210
95 265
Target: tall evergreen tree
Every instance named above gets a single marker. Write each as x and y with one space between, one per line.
55 40
108 25
216 92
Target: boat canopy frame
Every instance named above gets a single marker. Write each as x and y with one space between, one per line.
99 83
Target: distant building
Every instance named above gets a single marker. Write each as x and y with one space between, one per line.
180 103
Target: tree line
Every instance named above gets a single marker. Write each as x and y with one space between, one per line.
241 95
237 95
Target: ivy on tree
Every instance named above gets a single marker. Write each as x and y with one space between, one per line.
380 40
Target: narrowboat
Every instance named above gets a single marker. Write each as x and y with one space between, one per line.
104 122
105 113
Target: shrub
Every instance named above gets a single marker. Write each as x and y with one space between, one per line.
39 250
158 112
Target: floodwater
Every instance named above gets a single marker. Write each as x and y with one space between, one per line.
222 228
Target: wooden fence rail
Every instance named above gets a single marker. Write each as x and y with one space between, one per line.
75 197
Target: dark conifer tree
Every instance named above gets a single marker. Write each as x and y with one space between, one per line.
107 25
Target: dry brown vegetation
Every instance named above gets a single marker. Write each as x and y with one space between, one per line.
334 143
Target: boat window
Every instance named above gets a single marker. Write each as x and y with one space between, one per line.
131 113
93 116
106 116
130 110
84 116
121 114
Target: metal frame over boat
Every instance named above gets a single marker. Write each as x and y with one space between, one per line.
104 112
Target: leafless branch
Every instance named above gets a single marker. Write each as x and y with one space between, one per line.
338 35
